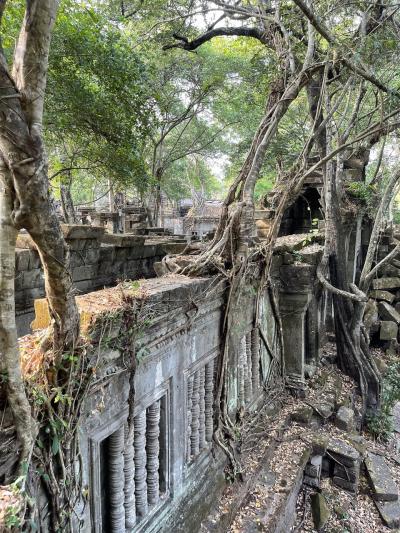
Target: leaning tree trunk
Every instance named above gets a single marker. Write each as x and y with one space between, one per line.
21 144
67 205
9 351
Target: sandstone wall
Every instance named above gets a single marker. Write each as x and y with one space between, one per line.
94 265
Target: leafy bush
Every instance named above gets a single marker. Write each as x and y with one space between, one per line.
380 425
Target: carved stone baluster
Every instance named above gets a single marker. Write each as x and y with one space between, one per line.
248 385
242 361
139 443
194 433
209 399
153 451
189 416
202 413
116 480
129 475
255 358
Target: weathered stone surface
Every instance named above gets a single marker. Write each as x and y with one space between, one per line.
78 231
324 409
380 363
390 513
320 444
345 419
382 295
302 414
311 481
343 452
348 474
344 484
370 313
320 510
388 330
309 371
313 467
387 312
122 240
24 240
380 478
386 283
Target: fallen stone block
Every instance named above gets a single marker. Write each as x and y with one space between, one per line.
344 484
386 283
387 312
390 270
320 510
302 414
348 474
343 453
324 408
344 419
380 479
371 313
382 295
390 513
319 444
388 330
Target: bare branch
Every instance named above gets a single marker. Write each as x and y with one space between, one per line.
185 44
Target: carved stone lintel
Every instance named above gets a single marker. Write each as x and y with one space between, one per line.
116 480
153 452
129 475
140 464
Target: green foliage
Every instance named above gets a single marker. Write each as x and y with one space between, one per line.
12 517
361 191
98 108
381 424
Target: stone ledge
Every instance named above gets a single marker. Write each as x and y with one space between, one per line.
122 240
80 231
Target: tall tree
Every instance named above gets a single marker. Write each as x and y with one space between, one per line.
27 201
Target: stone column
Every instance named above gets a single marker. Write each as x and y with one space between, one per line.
129 475
293 309
117 478
140 458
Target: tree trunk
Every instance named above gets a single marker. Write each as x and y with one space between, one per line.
67 205
24 155
9 351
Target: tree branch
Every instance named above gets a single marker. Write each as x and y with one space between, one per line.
185 44
328 36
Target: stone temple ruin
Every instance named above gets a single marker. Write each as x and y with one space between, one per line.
167 474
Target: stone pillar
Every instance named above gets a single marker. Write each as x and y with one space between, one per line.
129 475
117 479
140 459
153 452
209 400
293 308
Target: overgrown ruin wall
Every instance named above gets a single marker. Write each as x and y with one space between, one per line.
166 476
94 265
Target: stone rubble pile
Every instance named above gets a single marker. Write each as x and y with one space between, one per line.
382 312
